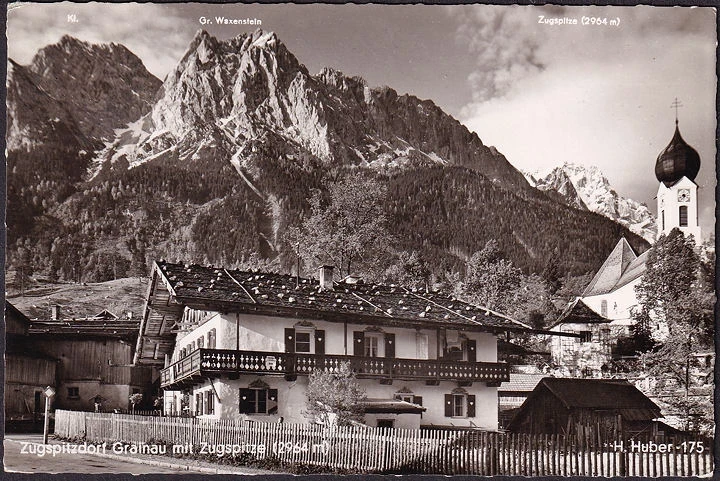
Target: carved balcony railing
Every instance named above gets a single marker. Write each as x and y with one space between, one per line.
214 362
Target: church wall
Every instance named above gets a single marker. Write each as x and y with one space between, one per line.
621 303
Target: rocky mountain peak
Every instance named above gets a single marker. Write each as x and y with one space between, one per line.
586 187
91 80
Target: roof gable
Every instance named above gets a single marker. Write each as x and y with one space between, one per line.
577 312
520 382
606 279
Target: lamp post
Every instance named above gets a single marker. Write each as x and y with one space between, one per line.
49 393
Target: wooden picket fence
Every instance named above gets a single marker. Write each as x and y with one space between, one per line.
388 450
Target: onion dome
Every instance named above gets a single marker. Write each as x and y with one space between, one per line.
677 160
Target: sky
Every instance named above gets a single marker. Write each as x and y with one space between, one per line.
541 93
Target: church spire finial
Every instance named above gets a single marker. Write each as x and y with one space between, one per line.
676 104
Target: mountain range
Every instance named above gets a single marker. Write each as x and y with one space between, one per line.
110 168
587 188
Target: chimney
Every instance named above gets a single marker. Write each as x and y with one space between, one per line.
326 278
55 316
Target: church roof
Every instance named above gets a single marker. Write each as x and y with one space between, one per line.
677 160
621 267
577 312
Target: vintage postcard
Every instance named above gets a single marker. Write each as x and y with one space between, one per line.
360 239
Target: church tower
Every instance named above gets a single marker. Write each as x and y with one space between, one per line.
676 168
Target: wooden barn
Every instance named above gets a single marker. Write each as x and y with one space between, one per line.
27 373
95 361
89 362
599 409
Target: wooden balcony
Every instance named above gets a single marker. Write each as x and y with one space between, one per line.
204 363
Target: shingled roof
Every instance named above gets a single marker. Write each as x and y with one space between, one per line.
174 286
92 327
577 312
621 267
218 286
521 382
617 395
599 394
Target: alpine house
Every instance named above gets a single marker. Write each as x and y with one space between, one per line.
237 344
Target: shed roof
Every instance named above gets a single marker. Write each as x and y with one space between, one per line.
105 328
616 395
598 393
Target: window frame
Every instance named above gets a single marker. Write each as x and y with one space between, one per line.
310 333
461 406
683 216
76 390
370 338
259 401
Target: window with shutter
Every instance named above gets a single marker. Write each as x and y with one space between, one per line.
211 339
458 404
259 401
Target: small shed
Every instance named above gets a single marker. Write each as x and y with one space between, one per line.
602 409
513 393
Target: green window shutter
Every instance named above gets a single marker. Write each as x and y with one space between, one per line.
247 401
319 341
471 405
448 405
358 343
389 345
289 339
417 400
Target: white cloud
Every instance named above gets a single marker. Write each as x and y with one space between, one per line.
592 95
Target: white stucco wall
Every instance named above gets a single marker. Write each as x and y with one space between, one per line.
621 303
266 333
291 400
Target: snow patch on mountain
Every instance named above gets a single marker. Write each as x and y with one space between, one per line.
587 187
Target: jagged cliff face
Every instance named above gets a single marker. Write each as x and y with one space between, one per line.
36 118
588 188
103 86
249 96
109 168
60 109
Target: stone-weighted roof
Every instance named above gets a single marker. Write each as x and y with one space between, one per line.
195 284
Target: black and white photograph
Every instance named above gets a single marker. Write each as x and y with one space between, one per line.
353 239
